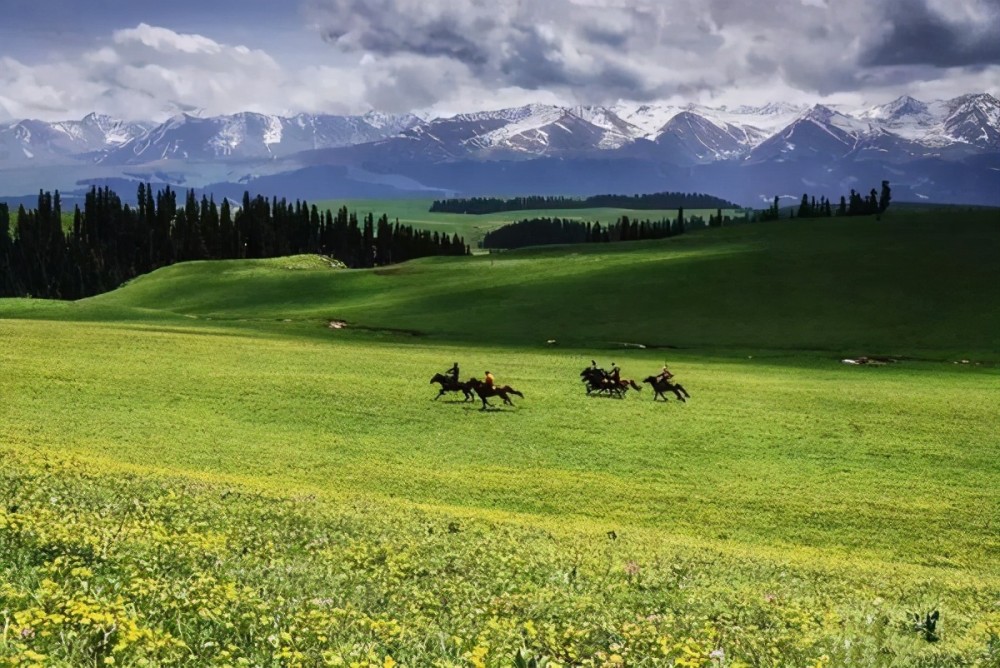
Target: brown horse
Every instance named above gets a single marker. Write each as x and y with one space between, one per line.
448 384
486 391
660 386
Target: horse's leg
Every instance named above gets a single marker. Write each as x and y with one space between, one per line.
681 387
439 394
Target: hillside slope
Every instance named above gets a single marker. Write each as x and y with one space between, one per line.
914 284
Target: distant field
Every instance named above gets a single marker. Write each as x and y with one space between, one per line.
473 228
195 469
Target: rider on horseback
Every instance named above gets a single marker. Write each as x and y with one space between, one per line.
665 374
488 380
615 374
453 372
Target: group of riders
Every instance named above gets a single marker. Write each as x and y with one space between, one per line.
611 382
597 380
485 388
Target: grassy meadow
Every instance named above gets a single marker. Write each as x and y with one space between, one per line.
473 228
196 470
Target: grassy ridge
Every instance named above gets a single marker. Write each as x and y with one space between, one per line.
902 287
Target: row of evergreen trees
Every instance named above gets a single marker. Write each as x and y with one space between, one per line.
110 242
544 231
874 204
541 231
666 200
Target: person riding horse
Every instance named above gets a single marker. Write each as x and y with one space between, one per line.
487 388
615 375
453 372
663 382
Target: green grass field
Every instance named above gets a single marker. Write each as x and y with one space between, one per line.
416 212
197 470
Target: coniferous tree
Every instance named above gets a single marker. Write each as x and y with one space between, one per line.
110 242
884 198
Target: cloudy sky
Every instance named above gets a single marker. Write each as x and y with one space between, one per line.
148 60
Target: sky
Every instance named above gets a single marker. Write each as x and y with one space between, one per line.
143 60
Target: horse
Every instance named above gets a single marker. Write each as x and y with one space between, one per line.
486 391
448 384
594 378
660 386
598 380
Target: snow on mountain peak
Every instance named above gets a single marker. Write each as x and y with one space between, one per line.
971 121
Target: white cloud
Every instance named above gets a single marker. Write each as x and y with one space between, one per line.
447 56
150 73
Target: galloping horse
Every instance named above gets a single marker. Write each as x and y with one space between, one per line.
485 391
594 378
597 380
660 386
450 385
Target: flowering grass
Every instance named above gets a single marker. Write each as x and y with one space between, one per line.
194 470
227 493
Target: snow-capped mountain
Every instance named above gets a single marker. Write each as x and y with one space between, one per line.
821 132
971 119
251 135
696 133
748 150
34 142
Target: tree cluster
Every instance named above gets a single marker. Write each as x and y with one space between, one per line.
666 200
545 231
873 204
110 242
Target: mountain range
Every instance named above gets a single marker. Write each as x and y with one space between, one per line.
946 150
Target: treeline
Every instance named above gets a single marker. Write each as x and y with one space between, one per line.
545 231
666 200
110 242
873 204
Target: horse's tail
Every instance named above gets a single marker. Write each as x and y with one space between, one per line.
513 391
634 386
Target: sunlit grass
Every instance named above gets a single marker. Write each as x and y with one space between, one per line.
196 470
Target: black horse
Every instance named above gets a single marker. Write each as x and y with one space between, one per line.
594 378
486 391
660 386
448 384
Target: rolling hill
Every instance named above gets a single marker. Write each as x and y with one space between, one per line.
914 284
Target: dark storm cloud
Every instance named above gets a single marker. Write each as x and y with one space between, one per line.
917 35
389 27
601 49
